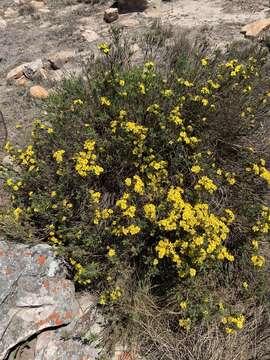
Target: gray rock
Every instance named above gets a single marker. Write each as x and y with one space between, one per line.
34 295
68 342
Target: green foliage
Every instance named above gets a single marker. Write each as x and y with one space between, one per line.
156 173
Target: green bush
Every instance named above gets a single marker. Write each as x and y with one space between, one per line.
156 174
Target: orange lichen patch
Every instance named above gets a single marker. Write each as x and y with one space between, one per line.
53 316
41 322
68 315
45 283
58 322
8 271
41 260
65 284
28 253
1 252
55 290
56 318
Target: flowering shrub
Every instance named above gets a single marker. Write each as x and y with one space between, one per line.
146 175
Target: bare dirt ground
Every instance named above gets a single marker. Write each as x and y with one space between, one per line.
35 29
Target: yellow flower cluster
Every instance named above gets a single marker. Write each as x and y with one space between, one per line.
206 232
258 260
86 160
150 211
80 273
104 48
207 184
13 184
27 158
233 323
58 156
185 323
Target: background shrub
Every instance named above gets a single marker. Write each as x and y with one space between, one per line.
155 176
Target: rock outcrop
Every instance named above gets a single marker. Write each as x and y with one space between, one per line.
37 301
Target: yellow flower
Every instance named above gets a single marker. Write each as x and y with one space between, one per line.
150 211
167 92
50 130
102 300
106 213
9 182
142 88
229 330
122 82
139 185
78 102
17 212
111 252
185 323
95 196
207 183
128 181
105 101
221 306
196 169
130 212
150 65
115 294
58 156
104 48
132 230
204 62
183 305
255 244
231 181
245 285
265 174
192 272
205 102
258 260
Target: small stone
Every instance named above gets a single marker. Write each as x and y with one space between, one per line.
26 69
16 73
59 59
38 91
255 28
22 81
111 15
37 5
129 22
90 35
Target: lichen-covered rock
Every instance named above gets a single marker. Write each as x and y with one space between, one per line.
34 295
